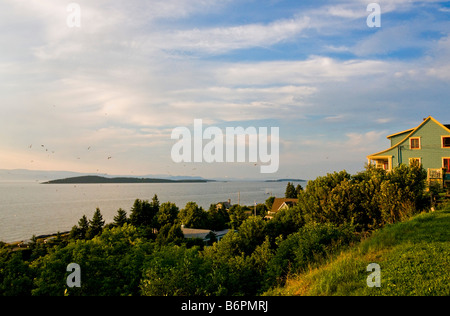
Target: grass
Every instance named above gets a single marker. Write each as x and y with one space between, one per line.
414 257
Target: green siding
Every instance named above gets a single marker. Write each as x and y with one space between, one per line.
431 152
398 138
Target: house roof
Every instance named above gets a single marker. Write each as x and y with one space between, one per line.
410 132
399 133
278 203
195 233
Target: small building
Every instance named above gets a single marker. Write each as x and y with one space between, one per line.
224 205
428 144
220 234
280 204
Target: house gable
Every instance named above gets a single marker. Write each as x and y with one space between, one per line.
280 204
423 143
398 137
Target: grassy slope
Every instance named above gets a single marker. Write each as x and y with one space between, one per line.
414 257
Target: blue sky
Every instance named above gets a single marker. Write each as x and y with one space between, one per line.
116 87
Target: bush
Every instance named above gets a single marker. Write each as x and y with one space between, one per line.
367 200
310 245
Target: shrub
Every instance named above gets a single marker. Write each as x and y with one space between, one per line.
308 246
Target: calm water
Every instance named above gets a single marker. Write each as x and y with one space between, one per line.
28 209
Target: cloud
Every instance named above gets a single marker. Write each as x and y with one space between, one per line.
220 40
314 70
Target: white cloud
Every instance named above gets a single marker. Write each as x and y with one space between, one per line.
221 40
314 70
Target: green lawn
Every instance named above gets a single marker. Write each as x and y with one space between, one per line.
414 257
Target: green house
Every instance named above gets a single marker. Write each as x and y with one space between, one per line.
428 143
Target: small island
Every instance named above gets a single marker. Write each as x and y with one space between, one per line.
286 180
102 180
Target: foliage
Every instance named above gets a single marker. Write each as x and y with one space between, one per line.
368 200
237 216
167 214
16 278
143 212
95 225
193 216
121 218
307 246
174 271
110 264
218 218
290 193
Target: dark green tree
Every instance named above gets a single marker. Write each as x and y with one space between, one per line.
218 218
80 231
290 191
237 216
170 233
16 278
121 218
298 189
143 212
167 214
193 216
251 233
95 225
269 202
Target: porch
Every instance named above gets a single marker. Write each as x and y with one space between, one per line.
384 163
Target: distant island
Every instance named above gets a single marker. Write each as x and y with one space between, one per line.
286 180
98 179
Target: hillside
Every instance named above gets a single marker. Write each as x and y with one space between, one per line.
414 257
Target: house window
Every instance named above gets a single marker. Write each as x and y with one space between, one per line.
412 161
414 142
445 141
446 164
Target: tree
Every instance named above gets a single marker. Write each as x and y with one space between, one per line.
170 233
95 225
143 212
167 214
269 202
80 231
218 218
16 278
290 191
121 218
111 265
193 216
298 189
237 216
251 233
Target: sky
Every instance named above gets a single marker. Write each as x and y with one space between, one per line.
105 97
